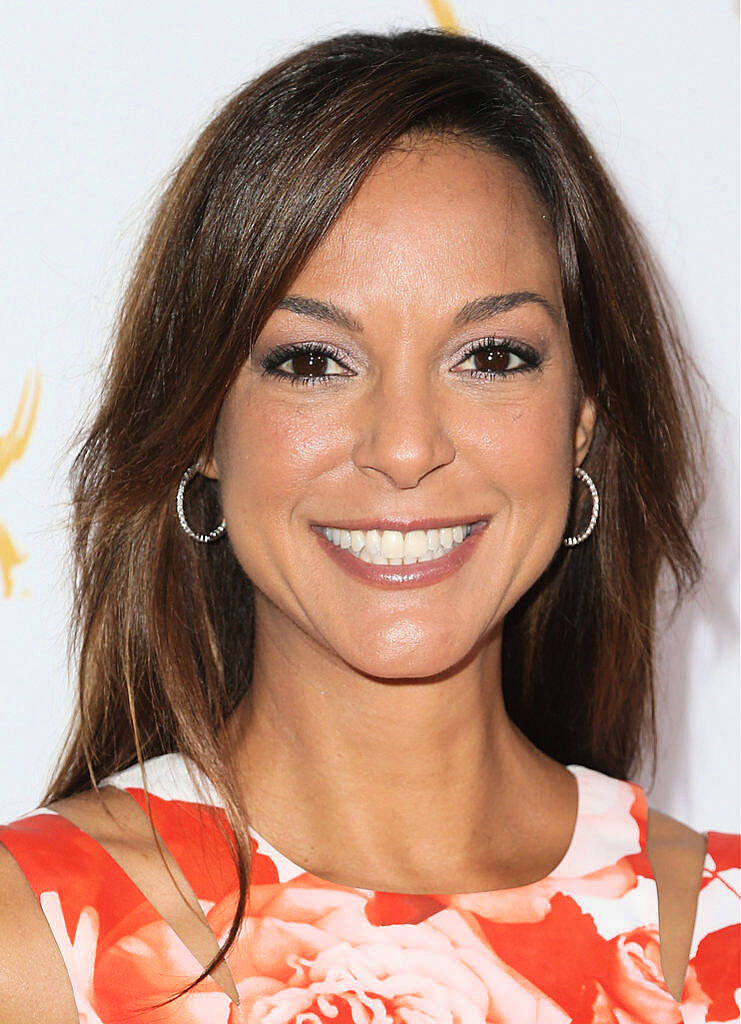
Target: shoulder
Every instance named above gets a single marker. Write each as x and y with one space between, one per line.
34 983
677 855
100 853
683 859
675 847
58 854
693 902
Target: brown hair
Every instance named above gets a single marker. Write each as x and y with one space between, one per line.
163 627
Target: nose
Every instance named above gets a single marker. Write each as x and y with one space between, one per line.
402 432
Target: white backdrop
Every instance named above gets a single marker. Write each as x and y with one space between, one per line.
103 97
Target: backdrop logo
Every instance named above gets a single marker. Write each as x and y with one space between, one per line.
12 446
443 12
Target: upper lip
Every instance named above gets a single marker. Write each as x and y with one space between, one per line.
402 525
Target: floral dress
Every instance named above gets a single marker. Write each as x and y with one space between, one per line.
581 945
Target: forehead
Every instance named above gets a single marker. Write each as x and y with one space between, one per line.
439 219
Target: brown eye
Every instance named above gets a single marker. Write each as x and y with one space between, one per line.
496 359
307 363
304 364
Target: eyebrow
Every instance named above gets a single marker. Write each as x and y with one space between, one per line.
489 305
473 311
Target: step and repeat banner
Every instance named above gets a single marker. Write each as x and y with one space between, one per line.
101 101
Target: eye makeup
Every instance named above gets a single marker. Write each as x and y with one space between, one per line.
507 357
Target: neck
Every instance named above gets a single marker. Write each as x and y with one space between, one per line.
433 769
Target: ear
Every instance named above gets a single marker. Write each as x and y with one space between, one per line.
209 468
584 430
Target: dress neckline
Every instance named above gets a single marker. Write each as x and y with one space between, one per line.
288 869
172 776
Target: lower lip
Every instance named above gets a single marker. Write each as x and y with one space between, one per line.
421 574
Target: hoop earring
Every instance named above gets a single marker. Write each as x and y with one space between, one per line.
571 542
202 538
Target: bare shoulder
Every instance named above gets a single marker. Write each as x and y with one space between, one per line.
668 833
108 815
113 819
677 855
676 851
34 984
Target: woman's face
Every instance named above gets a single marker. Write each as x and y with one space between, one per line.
402 423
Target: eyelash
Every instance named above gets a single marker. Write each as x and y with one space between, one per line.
284 353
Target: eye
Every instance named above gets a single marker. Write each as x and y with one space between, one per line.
306 364
309 364
500 357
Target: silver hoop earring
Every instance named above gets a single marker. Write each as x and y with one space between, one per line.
202 538
571 542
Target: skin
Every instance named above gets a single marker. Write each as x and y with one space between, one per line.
394 697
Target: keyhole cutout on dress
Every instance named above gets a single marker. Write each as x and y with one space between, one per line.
120 826
677 856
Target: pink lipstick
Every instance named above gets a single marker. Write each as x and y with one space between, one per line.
420 574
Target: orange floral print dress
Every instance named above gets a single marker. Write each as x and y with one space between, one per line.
581 945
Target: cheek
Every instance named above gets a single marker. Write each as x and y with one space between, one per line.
268 452
517 455
530 461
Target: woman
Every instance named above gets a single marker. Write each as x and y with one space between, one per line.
396 438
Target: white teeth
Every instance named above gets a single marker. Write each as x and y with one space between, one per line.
392 544
372 542
392 547
415 544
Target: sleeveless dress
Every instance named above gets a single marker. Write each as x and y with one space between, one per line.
581 945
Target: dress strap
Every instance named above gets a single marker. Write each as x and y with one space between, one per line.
84 895
193 824
639 814
58 857
199 838
611 828
193 827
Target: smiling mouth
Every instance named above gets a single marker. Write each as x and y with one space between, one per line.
392 547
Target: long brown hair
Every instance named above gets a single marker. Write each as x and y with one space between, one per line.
163 627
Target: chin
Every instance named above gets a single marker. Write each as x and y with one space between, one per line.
396 660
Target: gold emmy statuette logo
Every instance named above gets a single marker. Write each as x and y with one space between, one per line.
12 446
444 15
